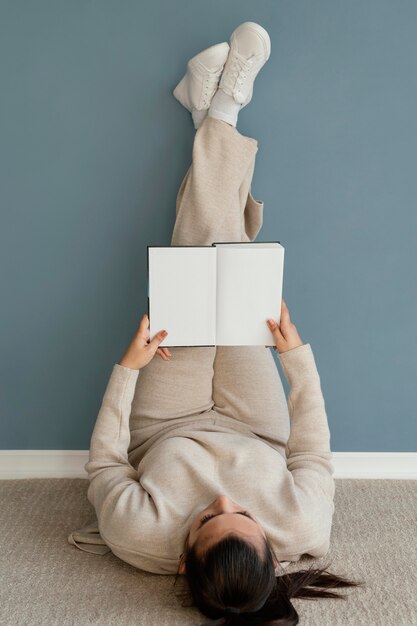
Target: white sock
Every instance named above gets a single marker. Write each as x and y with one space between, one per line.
224 107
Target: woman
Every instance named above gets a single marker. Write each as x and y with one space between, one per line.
194 468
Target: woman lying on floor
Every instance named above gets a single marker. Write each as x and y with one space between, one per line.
198 466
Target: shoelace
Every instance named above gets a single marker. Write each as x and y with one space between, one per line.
210 86
237 73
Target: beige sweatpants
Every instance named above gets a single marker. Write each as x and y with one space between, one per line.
238 383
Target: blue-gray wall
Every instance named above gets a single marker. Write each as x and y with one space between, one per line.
94 146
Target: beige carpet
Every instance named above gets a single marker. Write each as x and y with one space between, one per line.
45 581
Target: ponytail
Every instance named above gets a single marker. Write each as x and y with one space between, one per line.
232 583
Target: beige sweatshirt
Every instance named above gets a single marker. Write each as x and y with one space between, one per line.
144 514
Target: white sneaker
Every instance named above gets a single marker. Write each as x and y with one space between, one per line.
197 88
250 48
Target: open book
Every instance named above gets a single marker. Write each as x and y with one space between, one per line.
218 295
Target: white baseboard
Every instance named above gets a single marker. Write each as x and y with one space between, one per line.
15 464
43 464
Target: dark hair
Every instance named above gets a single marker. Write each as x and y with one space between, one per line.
231 580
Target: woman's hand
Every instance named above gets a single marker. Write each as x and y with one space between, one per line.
285 334
140 352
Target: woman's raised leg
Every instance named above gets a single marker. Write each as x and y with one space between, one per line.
213 204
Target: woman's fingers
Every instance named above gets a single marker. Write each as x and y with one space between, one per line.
285 333
285 315
164 353
275 330
285 323
143 335
142 330
157 339
279 331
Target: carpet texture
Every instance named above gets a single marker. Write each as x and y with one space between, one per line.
45 581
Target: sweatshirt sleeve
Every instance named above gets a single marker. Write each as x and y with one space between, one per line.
309 458
114 489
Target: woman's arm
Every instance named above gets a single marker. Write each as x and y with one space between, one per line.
109 471
309 457
308 453
108 466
